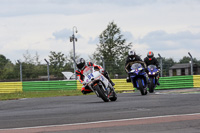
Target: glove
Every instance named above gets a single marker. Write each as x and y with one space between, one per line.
101 71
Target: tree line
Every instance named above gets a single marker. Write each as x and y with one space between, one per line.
113 47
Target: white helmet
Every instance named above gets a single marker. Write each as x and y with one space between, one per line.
131 53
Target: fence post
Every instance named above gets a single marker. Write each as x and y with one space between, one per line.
47 68
161 68
191 63
20 66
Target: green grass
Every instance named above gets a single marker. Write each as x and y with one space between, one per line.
34 94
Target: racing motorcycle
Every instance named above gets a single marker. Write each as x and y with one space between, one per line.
153 73
99 84
138 77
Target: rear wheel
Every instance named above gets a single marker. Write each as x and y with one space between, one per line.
141 87
101 93
151 86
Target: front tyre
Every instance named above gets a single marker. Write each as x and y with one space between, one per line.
151 86
101 93
141 87
114 96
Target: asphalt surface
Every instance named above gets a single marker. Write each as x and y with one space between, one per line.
35 112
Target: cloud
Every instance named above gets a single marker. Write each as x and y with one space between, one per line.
93 41
64 34
158 25
161 40
68 7
127 35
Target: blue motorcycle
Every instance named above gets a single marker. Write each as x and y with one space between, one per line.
153 72
139 78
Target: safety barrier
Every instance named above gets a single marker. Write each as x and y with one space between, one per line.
196 80
79 85
176 82
49 85
120 84
10 87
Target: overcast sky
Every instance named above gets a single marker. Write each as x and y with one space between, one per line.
168 27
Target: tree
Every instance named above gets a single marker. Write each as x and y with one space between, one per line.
29 59
31 66
3 61
8 72
167 63
69 66
113 48
5 67
57 63
187 59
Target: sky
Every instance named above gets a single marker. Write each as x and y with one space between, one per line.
168 27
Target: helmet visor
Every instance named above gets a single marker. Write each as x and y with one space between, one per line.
80 66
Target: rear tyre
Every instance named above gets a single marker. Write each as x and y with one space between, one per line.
151 86
101 93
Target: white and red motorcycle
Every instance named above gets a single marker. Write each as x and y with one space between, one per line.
99 84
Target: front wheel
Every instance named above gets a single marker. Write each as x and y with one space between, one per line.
151 86
114 96
141 87
101 93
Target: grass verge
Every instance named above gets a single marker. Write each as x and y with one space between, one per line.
35 94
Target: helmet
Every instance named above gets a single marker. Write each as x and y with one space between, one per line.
150 55
131 53
80 63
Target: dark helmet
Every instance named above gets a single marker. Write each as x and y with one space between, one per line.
89 64
80 63
150 55
131 53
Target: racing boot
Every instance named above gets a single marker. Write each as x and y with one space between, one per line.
158 83
128 79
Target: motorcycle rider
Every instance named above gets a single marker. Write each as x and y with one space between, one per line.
151 60
130 60
81 65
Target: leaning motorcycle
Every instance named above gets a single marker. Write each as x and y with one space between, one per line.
138 78
99 84
152 73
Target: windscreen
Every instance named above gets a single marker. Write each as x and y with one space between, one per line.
152 67
87 71
136 66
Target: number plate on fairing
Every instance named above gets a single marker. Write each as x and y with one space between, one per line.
90 76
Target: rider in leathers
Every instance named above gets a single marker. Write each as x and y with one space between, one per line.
130 60
81 65
151 60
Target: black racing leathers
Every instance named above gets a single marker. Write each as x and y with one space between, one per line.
130 61
152 61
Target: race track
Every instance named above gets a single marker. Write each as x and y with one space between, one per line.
163 112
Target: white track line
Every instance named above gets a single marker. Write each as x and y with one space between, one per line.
96 122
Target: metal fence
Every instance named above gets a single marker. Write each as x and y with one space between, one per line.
42 72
